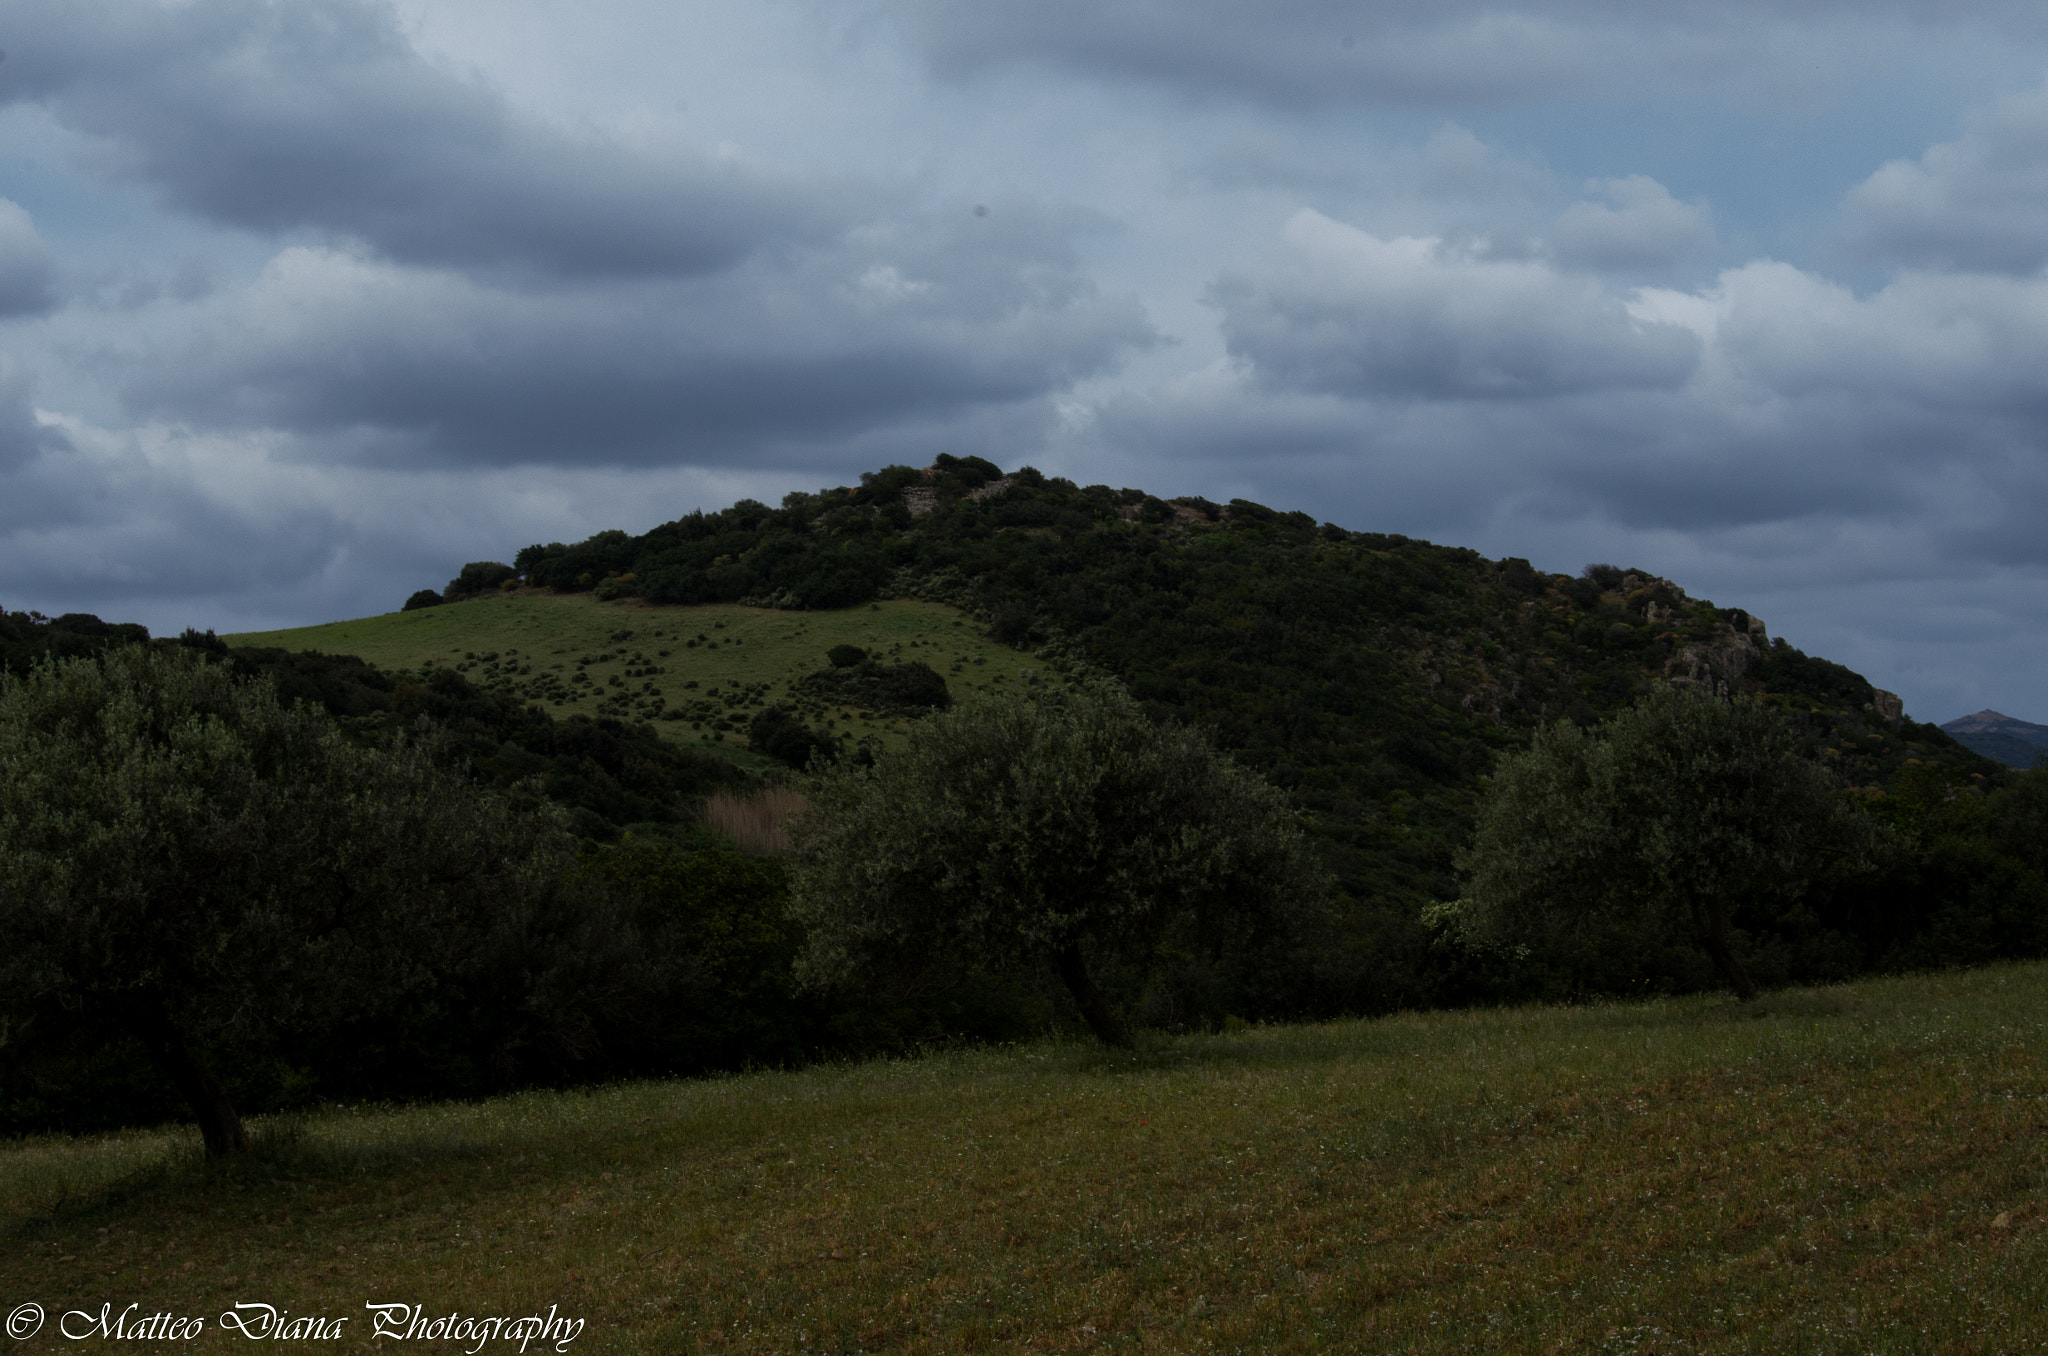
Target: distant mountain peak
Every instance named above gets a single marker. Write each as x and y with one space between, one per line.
2016 743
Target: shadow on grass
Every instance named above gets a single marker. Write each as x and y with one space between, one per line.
55 1180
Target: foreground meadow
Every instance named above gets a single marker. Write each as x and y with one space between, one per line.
1856 1169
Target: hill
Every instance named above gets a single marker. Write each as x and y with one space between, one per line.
2016 743
1374 676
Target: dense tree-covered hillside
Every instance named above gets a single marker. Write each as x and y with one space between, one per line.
1374 676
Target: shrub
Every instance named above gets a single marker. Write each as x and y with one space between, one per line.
912 688
788 740
479 576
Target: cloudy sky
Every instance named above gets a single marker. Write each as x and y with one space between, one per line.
304 304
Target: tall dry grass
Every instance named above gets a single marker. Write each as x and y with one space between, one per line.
754 821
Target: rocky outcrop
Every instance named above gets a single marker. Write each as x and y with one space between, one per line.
1715 664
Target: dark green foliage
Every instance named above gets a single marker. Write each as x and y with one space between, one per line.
845 656
1799 677
479 576
422 598
26 637
1965 876
607 773
1684 818
914 687
191 865
2019 820
970 472
713 964
1064 831
788 740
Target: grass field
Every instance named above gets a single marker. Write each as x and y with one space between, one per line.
699 662
1841 1170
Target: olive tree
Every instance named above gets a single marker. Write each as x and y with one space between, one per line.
1034 829
1677 812
187 860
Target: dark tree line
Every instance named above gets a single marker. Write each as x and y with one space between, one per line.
313 795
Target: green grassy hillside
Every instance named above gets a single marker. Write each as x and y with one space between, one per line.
1830 1170
688 670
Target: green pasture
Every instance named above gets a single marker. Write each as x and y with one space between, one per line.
1841 1170
530 644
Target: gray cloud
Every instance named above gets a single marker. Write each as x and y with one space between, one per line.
319 115
1978 202
1461 391
24 439
27 272
1640 229
1306 52
487 288
175 529
1348 313
388 363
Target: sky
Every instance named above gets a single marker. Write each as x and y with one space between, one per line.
303 305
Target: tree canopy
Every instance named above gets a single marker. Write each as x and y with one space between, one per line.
1048 828
187 860
1680 811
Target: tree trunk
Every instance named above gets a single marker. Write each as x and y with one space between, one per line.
218 1123
1074 972
1714 937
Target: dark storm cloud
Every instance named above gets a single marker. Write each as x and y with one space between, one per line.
487 288
319 115
387 363
23 438
1304 52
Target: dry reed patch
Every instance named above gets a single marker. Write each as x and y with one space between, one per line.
755 821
